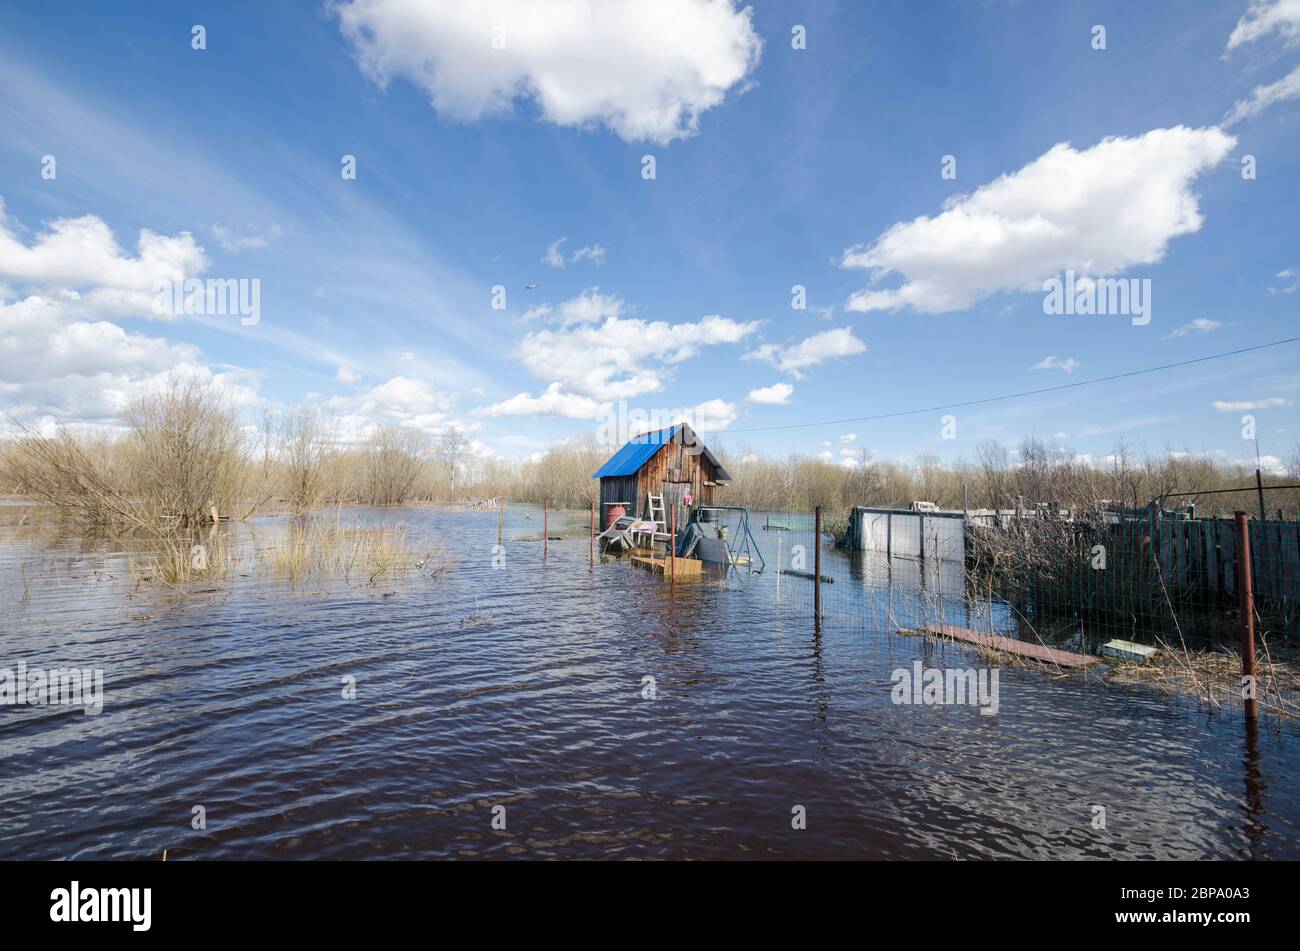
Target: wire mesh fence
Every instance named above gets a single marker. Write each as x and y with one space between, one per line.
1078 579
1074 578
1068 586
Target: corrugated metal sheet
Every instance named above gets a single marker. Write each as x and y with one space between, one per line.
912 534
628 460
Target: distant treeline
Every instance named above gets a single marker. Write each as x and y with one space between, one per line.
1034 472
184 452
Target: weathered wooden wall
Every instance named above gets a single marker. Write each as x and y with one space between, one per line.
670 472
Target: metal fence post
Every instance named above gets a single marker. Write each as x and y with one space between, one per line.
546 531
1246 606
817 563
593 533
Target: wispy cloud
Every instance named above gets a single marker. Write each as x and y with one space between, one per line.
594 253
236 240
1265 17
1239 406
553 257
1201 325
1261 97
1069 364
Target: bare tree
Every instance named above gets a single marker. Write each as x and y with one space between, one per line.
186 450
304 440
395 458
994 466
453 448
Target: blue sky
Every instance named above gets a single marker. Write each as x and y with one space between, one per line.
774 167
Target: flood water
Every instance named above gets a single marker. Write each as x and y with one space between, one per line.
522 686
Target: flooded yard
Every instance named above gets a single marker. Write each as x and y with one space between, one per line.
520 681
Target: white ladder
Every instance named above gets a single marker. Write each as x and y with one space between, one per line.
657 511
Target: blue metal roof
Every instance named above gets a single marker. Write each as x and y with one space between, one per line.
628 460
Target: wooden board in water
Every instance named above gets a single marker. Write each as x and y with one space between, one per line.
686 567
1048 655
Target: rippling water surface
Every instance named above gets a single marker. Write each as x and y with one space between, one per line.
521 686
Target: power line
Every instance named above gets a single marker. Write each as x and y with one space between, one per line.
1008 396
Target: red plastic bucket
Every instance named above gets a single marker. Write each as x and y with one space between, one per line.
614 514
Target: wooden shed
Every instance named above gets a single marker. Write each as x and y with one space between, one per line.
671 462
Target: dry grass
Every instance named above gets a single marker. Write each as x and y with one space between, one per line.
1214 676
183 558
308 549
327 549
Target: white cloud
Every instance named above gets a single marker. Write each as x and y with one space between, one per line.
553 257
60 361
1099 211
1265 17
621 358
405 397
401 401
1268 465
809 352
710 416
589 307
1240 406
81 255
1069 364
77 370
348 375
551 402
1261 97
647 69
594 253
1287 274
1199 325
778 394
235 240
849 437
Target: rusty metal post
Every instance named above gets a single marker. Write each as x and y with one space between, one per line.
672 549
501 518
593 533
817 563
546 527
1246 605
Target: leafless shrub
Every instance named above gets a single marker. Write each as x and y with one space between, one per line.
75 476
305 443
394 460
186 452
